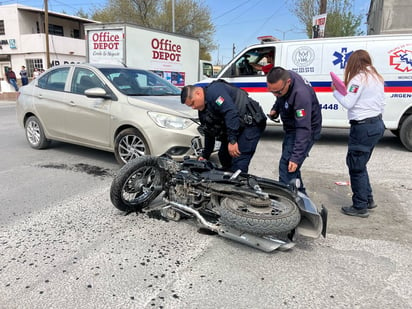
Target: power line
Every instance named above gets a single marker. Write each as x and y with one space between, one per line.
265 22
231 10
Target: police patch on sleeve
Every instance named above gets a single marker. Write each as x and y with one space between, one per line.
300 113
353 88
219 101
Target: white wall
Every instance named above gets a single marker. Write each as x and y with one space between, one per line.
21 26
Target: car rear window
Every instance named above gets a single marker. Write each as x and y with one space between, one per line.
54 80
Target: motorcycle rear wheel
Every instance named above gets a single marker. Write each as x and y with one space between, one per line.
137 184
281 216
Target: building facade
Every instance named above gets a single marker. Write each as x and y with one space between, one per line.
23 40
390 17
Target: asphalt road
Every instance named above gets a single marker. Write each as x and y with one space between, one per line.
63 245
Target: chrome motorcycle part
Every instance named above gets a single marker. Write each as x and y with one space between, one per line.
267 244
196 145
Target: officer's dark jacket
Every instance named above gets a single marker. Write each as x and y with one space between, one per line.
301 114
222 117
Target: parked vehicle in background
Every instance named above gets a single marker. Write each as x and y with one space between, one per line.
316 58
172 56
130 112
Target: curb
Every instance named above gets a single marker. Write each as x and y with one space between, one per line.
7 102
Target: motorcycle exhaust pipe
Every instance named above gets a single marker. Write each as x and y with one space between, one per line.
202 221
266 244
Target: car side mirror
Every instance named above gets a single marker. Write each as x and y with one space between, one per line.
97 93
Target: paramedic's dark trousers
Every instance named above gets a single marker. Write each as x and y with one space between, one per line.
287 149
247 143
363 137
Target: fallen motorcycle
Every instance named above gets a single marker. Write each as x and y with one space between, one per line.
252 210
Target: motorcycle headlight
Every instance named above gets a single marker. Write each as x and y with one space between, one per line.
169 121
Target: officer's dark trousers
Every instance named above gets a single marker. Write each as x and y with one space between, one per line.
362 139
287 149
247 143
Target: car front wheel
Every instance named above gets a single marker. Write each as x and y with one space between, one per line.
35 133
129 145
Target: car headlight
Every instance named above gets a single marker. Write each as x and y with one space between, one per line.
170 121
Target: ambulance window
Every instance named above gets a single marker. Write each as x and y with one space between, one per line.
251 63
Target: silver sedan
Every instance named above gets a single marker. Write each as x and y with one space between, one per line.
127 111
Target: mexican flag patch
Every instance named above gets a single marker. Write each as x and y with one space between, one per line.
353 88
219 101
300 113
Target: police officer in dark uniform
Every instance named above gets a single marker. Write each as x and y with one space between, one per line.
301 115
227 114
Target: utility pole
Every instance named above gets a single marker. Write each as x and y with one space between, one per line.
173 16
322 8
233 50
46 31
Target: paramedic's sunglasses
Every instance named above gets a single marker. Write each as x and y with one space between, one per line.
279 92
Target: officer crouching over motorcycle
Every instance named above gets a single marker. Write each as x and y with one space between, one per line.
229 115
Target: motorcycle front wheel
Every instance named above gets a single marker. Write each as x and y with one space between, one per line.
137 184
281 216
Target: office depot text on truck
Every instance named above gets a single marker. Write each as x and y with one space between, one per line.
172 56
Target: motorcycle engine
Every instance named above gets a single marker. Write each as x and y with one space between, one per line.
183 190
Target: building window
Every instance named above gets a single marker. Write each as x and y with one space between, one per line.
2 32
76 33
33 63
56 30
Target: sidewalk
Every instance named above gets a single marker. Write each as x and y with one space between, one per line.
5 95
8 98
7 102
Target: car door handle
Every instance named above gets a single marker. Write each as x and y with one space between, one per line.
71 103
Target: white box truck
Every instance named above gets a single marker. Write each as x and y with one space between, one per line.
174 57
316 58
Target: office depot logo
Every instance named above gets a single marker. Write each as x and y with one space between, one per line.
105 40
164 49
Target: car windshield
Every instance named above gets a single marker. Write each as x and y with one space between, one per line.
133 82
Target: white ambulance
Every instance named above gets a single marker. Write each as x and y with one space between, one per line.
316 58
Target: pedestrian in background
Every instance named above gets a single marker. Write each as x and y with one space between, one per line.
12 79
23 76
299 109
229 115
365 101
36 73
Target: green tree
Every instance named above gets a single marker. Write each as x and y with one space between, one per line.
340 20
192 18
81 13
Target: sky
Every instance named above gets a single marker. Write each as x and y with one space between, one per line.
237 22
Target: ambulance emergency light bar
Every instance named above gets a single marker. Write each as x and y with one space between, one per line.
267 39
